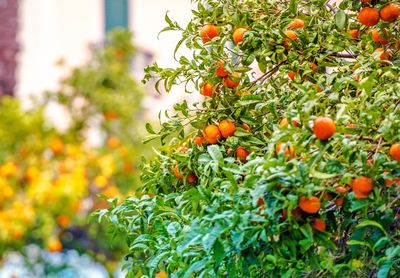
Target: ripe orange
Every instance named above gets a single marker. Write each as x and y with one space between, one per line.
292 74
57 145
390 182
295 123
110 115
211 134
241 153
390 12
55 245
260 201
220 71
288 150
383 55
228 82
339 201
341 189
226 128
113 142
310 205
289 34
63 220
368 16
283 215
378 38
362 186
161 274
324 128
395 151
199 140
208 32
176 172
191 178
238 35
207 89
284 123
246 127
354 33
296 23
319 224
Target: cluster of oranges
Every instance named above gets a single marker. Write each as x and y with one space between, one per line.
370 16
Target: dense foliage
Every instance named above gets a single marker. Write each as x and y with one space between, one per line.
290 165
50 179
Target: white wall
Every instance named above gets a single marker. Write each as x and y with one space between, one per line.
146 21
50 30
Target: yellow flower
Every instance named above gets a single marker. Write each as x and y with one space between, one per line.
8 170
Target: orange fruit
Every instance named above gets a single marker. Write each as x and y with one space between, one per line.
368 16
55 245
283 215
238 35
161 274
110 115
288 150
211 134
57 145
341 189
246 127
390 182
362 186
395 151
176 172
378 38
207 89
383 55
296 23
63 220
290 35
309 205
208 32
284 123
324 128
292 74
339 201
390 12
319 225
228 82
220 70
241 153
191 178
199 140
354 33
226 128
113 142
260 201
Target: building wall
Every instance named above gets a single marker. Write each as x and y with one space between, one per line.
51 30
8 45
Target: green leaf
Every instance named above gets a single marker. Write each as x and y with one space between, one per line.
371 223
215 153
340 19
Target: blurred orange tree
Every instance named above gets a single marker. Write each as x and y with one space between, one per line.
50 180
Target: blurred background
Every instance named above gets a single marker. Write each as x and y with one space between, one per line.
72 117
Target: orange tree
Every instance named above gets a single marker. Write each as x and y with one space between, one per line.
290 165
50 179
